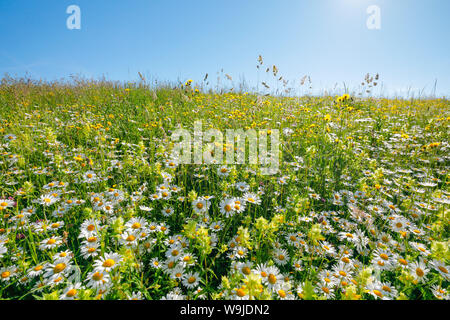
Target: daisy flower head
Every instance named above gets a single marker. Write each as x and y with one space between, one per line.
7 273
50 243
421 248
214 226
375 289
240 293
129 238
200 205
440 293
223 171
90 250
242 186
71 292
136 224
58 269
99 281
238 253
36 271
280 257
273 278
135 296
383 259
245 268
191 280
238 205
6 203
441 268
90 177
252 198
155 196
9 137
47 200
419 270
145 208
167 211
227 207
297 265
108 262
325 289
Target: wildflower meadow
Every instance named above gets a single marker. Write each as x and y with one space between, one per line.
95 204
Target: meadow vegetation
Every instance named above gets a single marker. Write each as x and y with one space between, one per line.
92 206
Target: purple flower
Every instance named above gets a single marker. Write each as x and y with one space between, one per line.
20 236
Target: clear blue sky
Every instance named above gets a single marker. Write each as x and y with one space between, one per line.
178 40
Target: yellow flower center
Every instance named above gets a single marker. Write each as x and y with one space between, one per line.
59 267
272 279
403 262
444 270
108 263
71 293
419 272
386 288
97 276
378 293
191 280
384 256
246 270
240 292
136 225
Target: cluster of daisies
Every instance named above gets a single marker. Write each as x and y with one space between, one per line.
115 220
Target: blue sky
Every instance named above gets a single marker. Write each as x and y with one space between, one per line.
177 40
